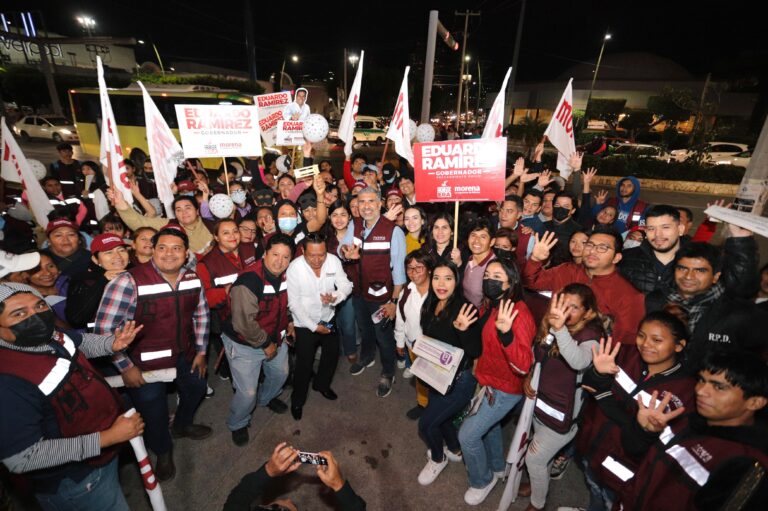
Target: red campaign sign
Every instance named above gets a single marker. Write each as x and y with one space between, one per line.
460 170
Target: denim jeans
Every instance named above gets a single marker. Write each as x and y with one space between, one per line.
100 489
151 402
347 326
436 422
246 364
600 498
381 335
481 441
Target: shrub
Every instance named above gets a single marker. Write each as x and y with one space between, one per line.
650 168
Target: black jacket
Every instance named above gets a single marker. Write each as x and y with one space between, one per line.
84 295
641 268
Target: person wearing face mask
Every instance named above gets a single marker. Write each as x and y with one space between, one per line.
61 423
109 259
507 330
240 199
563 225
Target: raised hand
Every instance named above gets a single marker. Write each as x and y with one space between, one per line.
319 185
538 151
544 179
558 312
654 418
307 149
393 213
125 336
587 176
350 251
519 168
543 246
574 161
527 177
506 316
601 197
467 316
604 358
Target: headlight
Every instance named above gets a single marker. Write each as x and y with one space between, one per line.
66 132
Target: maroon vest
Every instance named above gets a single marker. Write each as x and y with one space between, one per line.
223 271
350 267
374 271
81 400
678 466
167 318
599 438
555 397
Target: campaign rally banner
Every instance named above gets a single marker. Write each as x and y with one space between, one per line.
289 133
460 170
215 131
270 107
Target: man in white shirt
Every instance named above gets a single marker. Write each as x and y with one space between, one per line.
316 284
299 109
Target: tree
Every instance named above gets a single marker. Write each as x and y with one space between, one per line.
532 131
606 110
636 121
672 106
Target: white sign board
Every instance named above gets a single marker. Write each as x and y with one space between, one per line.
215 131
754 223
289 133
436 362
270 108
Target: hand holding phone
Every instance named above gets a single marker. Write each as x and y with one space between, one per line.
312 458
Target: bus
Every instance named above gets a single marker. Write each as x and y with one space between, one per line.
128 107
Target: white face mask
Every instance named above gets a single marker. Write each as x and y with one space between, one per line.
238 196
631 244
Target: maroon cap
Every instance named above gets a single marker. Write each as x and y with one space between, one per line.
186 186
105 242
394 192
176 227
360 183
59 222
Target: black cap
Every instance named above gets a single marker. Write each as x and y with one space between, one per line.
263 196
308 200
389 173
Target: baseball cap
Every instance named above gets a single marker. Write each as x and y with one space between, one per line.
389 173
106 241
185 186
359 184
8 289
10 263
307 200
263 197
59 223
370 168
394 192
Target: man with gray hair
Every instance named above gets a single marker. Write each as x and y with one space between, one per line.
379 249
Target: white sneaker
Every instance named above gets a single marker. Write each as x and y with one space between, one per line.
565 508
475 496
407 374
430 471
401 364
500 475
449 455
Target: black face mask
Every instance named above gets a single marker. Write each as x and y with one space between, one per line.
35 330
560 213
502 253
492 289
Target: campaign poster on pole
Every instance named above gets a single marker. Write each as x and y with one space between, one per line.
270 107
215 131
460 170
290 133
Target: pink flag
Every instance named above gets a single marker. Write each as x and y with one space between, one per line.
111 152
494 124
560 131
164 150
347 124
400 126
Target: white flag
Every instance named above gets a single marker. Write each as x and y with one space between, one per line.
494 124
560 131
164 150
347 124
111 152
14 161
400 126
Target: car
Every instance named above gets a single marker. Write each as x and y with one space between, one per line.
712 151
738 160
640 151
367 129
51 127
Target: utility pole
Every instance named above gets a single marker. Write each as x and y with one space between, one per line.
250 46
434 29
606 37
466 15
515 57
345 71
700 111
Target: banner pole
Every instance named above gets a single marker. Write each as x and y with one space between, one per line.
384 153
456 224
226 179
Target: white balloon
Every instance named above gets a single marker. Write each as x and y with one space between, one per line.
283 163
221 205
412 125
38 169
425 133
315 128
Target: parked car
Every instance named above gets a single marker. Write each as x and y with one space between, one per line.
51 127
712 150
640 151
739 160
367 129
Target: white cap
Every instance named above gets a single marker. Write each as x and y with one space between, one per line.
10 263
8 289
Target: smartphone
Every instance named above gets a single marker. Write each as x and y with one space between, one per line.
328 324
312 458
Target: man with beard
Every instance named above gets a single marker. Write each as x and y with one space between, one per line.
649 267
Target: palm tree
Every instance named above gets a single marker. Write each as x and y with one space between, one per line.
533 130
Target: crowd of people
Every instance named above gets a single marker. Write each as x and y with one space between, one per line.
653 374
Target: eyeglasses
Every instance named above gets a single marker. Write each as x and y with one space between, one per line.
246 229
602 249
416 268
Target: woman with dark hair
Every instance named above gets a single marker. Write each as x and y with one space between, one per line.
95 191
505 243
447 317
563 347
415 223
507 330
616 381
576 245
48 280
440 240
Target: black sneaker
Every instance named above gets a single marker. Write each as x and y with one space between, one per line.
359 367
558 467
209 392
240 436
193 432
415 412
277 406
385 386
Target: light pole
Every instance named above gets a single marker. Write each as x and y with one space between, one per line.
606 38
295 59
157 54
87 23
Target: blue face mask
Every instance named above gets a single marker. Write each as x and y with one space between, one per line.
287 224
238 196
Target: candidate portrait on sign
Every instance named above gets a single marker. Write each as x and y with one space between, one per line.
298 110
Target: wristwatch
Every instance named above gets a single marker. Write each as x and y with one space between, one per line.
394 300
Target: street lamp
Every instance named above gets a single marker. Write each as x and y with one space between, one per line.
606 38
467 58
295 59
353 59
87 23
157 54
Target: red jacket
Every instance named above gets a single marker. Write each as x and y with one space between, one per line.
616 297
504 367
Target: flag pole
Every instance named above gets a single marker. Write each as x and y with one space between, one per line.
456 224
384 153
226 179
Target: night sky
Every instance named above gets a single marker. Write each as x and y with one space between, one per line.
726 38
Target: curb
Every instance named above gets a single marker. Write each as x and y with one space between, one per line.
666 185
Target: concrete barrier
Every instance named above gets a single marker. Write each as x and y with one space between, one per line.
719 189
